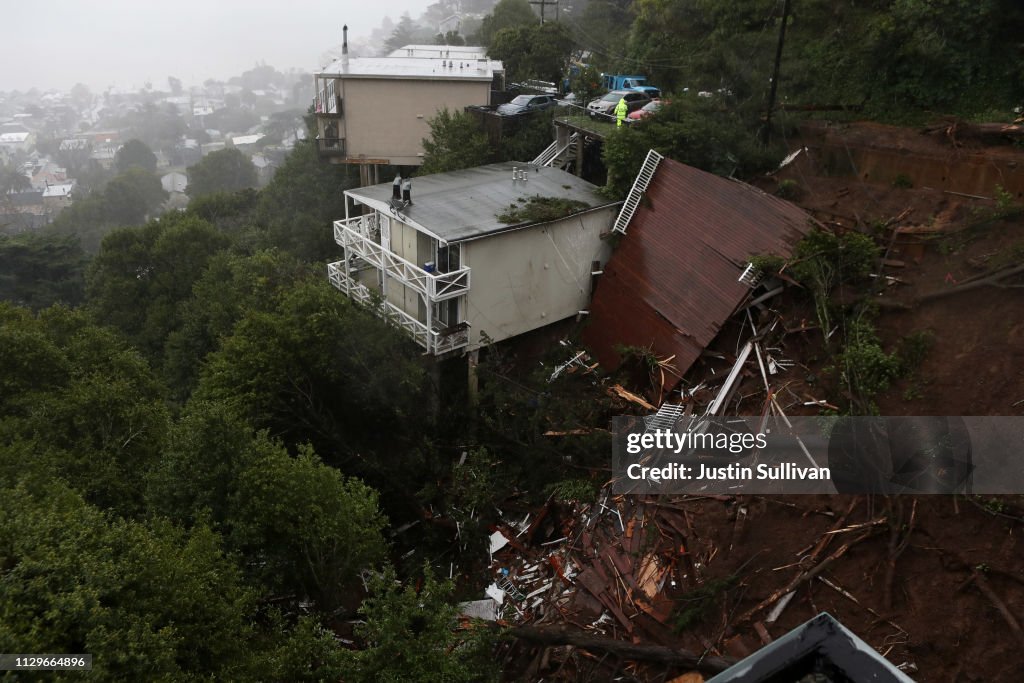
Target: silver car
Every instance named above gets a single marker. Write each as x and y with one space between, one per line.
526 103
605 106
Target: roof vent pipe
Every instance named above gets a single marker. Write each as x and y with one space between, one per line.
344 39
515 174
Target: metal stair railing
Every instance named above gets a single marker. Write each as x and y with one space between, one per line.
643 179
553 151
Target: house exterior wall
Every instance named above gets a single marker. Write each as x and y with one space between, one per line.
387 118
525 279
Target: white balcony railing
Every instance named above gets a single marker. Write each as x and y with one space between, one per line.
360 237
435 341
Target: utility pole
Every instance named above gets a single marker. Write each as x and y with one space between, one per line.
544 3
766 132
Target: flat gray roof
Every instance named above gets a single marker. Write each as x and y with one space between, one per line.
463 205
420 68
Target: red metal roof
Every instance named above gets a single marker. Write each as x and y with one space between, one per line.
673 280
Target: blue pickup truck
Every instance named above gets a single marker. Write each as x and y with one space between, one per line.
629 82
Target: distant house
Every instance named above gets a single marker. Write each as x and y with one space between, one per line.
450 24
48 173
264 168
452 274
245 142
105 154
56 197
374 110
13 141
71 144
675 278
174 181
21 211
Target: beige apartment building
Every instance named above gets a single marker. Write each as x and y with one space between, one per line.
374 110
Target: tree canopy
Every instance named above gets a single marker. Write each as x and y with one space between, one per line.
506 14
135 154
226 170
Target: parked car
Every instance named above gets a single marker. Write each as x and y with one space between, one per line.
524 104
649 90
645 111
605 106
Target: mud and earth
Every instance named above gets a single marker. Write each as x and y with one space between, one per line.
939 584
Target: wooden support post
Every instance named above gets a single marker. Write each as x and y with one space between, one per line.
472 379
579 155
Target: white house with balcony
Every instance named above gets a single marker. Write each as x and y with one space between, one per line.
464 263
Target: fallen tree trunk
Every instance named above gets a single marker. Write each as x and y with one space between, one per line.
992 280
988 280
626 650
989 132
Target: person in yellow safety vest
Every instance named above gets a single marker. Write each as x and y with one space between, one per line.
621 109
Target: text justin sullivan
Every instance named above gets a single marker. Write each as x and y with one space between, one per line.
732 472
784 471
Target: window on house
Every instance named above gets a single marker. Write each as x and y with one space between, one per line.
448 258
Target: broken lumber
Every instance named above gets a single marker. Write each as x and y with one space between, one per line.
622 392
625 650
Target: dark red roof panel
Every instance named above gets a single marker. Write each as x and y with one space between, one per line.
673 280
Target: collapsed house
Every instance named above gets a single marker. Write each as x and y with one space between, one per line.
683 267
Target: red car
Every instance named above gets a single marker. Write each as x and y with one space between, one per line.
645 111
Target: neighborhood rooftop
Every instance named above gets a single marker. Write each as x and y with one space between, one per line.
418 68
441 51
463 205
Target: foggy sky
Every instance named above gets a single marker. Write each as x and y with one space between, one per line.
124 43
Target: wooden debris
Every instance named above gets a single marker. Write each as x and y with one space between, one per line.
691 677
621 392
547 635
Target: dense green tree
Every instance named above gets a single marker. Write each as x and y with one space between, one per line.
296 209
125 200
89 408
304 528
226 170
533 51
506 14
141 275
231 286
135 154
38 270
410 637
174 84
132 196
316 368
456 141
404 34
12 180
449 38
149 603
695 131
301 527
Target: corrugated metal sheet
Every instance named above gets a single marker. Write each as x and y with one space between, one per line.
673 281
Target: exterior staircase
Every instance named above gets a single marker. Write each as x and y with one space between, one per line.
643 179
556 156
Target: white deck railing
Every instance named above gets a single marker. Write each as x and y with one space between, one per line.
435 341
360 237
